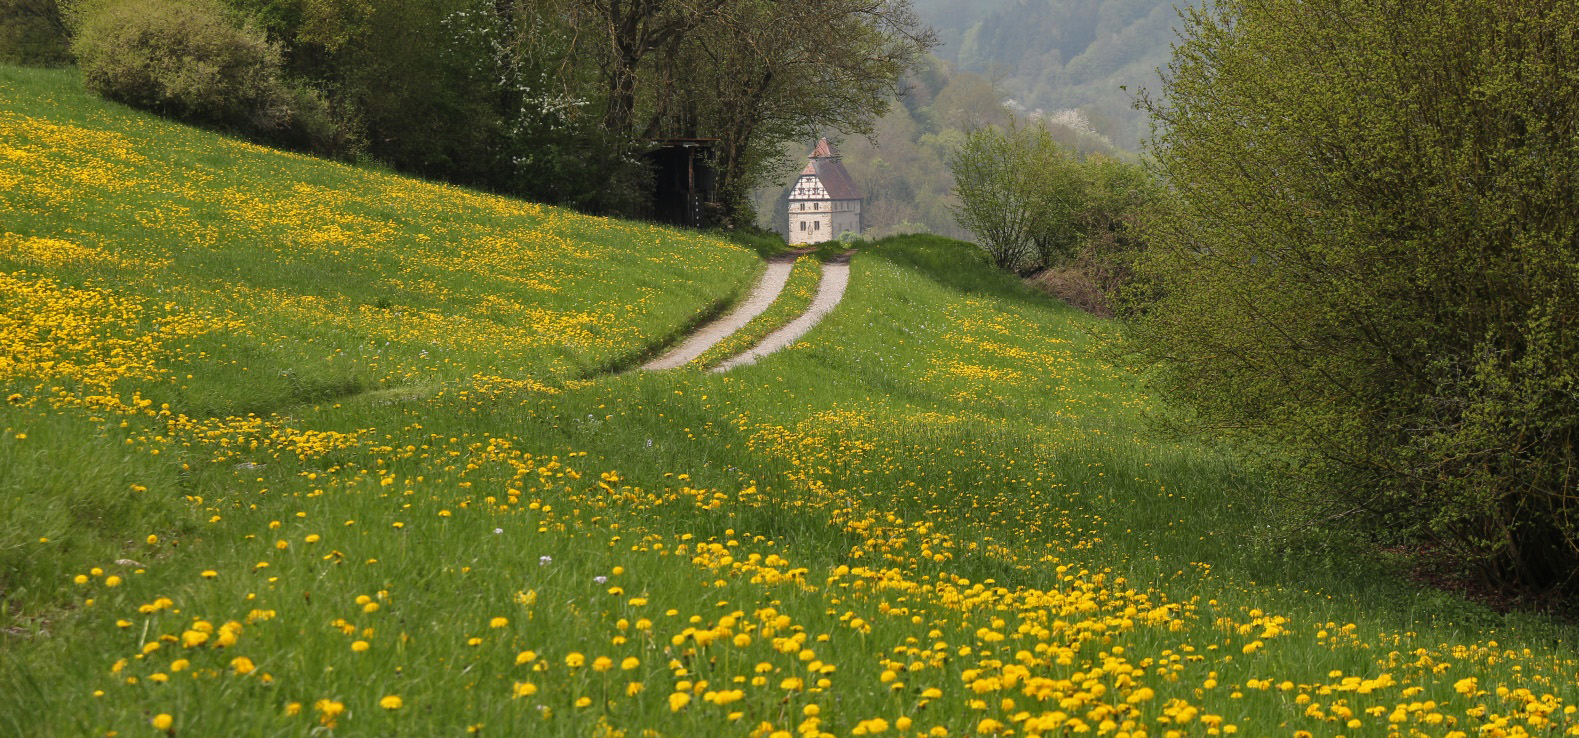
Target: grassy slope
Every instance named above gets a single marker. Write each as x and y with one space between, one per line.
225 280
941 504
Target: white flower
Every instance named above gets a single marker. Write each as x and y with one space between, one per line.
497 531
545 560
600 580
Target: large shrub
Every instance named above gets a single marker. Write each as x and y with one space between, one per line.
1374 260
185 58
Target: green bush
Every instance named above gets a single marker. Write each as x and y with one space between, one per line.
189 59
1371 266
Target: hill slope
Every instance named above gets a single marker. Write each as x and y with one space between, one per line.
937 514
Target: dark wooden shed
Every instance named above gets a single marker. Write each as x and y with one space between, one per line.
685 184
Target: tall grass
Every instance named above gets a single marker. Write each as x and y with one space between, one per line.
940 513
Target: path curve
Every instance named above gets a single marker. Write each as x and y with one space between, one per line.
763 293
835 277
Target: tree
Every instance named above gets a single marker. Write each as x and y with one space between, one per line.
633 29
997 194
1369 270
762 73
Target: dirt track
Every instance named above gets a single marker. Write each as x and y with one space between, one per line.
763 293
835 277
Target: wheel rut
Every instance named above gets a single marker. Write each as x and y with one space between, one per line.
763 293
830 291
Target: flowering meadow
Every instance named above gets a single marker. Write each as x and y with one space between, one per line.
290 448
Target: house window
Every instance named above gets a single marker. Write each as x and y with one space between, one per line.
816 226
803 225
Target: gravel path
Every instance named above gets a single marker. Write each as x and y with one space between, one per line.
835 277
762 295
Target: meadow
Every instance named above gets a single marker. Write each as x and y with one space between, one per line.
289 446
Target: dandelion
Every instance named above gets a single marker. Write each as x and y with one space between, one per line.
162 721
391 702
329 711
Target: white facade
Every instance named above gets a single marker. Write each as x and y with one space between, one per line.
818 219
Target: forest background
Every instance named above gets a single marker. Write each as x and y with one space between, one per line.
1074 66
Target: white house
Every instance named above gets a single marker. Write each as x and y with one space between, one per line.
824 203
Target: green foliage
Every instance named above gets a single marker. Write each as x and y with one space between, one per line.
553 100
998 192
185 59
193 61
746 79
33 32
1036 203
1370 265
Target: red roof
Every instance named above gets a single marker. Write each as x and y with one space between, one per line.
828 170
836 179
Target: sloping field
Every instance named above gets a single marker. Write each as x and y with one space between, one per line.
391 495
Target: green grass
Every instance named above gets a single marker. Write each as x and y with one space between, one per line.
945 483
